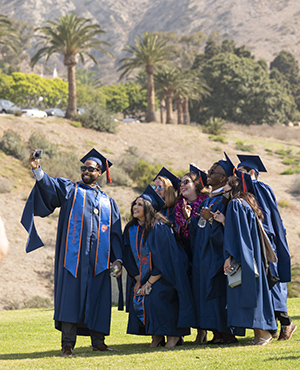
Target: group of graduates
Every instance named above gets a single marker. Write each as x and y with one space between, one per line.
184 240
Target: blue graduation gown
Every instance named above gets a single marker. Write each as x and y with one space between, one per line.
249 305
276 232
208 279
85 299
169 213
168 309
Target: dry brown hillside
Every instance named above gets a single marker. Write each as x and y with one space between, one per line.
23 276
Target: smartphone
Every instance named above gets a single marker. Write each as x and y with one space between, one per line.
37 154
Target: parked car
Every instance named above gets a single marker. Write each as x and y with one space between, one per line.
33 112
7 106
57 112
81 110
130 120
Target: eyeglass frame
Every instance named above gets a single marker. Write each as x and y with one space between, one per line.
158 187
84 168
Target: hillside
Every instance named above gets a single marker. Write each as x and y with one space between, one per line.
23 276
264 26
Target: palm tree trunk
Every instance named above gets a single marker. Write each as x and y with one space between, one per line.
72 97
186 113
169 106
179 110
150 115
161 110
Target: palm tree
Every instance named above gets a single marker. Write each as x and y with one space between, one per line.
168 79
70 36
8 35
148 53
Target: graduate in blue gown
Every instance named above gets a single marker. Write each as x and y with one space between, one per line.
166 184
249 304
161 299
208 280
89 239
276 232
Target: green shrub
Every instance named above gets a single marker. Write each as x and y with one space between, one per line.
269 151
99 119
144 173
240 145
5 185
287 161
18 113
220 139
294 285
119 176
283 204
128 163
12 144
76 124
282 152
39 141
38 302
63 164
214 126
288 171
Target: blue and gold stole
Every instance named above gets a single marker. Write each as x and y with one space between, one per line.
142 257
75 231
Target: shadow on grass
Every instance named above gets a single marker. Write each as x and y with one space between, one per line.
120 350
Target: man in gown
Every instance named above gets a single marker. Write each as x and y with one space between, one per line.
276 232
89 238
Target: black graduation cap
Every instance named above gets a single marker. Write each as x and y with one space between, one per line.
252 161
155 199
164 172
94 155
199 173
245 180
227 165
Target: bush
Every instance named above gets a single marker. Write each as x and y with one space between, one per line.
144 173
240 145
38 302
214 126
5 185
99 119
18 113
295 189
12 144
128 163
39 141
119 176
220 139
63 164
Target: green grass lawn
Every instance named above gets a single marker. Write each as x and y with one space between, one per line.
28 340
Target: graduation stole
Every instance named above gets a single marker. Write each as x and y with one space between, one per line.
142 257
75 231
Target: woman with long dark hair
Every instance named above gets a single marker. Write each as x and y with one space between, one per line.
161 300
249 303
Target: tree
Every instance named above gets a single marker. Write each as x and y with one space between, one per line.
148 53
8 36
242 92
167 79
10 60
70 36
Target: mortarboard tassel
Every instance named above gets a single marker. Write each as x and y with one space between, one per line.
108 178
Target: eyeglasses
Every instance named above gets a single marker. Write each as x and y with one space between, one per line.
213 172
158 187
185 182
90 168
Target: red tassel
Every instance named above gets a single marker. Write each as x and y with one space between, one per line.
244 183
108 178
200 178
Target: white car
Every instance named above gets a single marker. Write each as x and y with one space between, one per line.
33 112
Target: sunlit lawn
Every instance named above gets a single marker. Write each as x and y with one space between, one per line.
28 340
